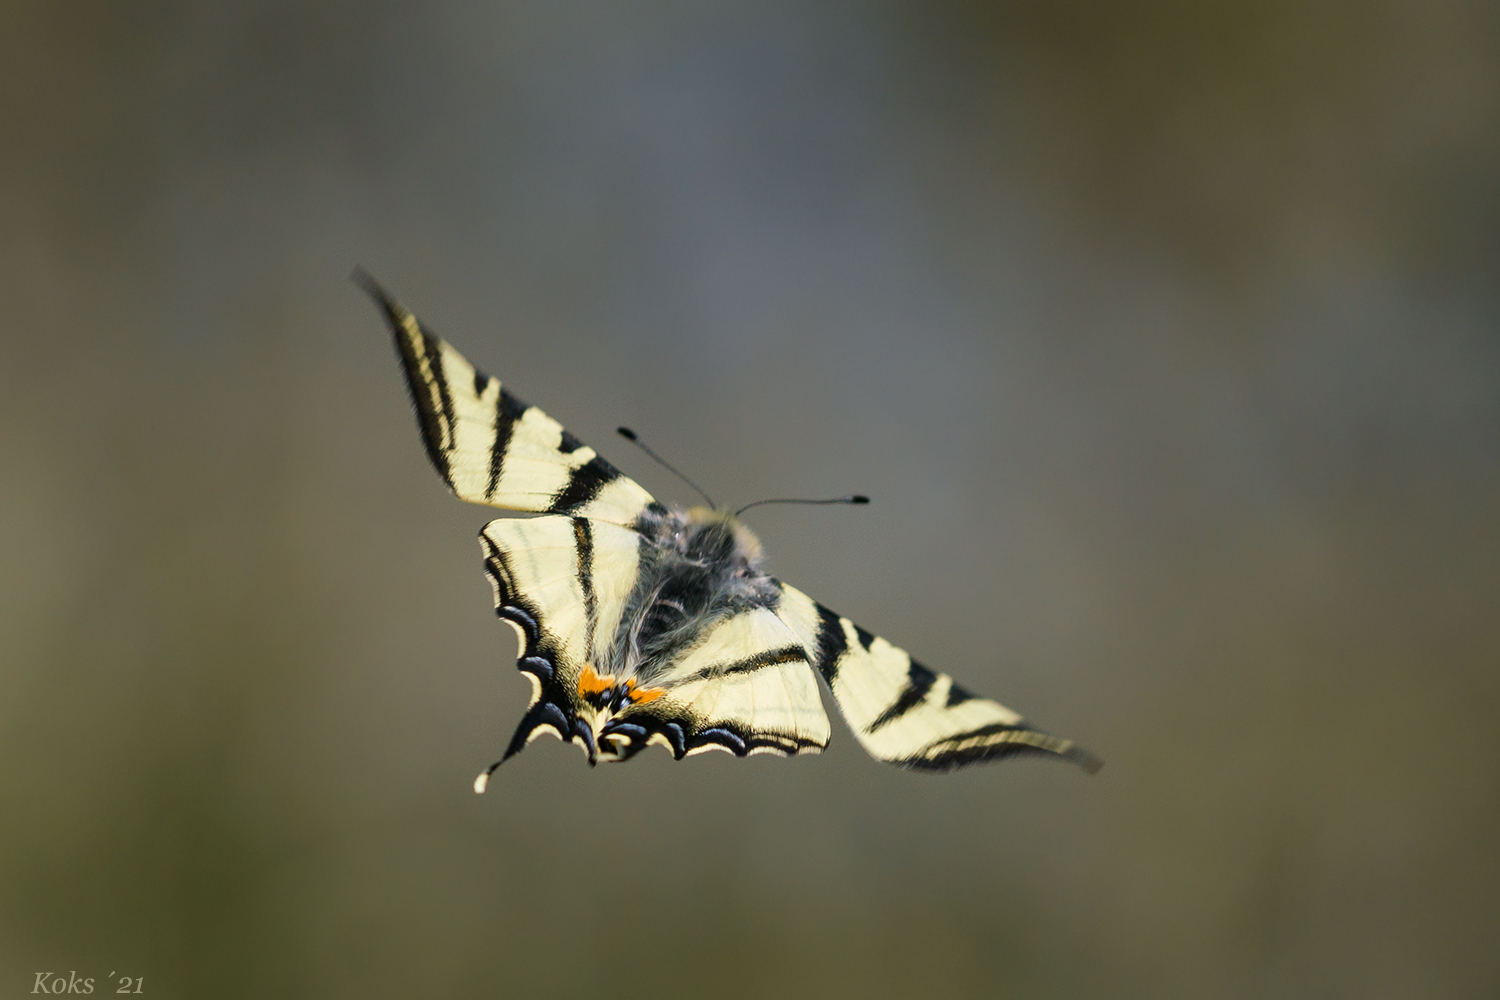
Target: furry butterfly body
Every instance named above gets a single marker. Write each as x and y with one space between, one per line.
641 624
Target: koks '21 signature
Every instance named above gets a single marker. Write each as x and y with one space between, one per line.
51 982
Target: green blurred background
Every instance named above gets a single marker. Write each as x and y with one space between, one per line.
1164 336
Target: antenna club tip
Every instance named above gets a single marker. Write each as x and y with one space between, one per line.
481 782
627 433
859 498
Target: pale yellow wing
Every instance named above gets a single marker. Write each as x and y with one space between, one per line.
492 448
903 712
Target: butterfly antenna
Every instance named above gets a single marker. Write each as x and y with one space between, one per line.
629 435
856 498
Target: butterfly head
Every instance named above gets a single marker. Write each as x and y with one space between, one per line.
720 537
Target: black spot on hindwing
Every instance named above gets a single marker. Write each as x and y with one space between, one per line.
722 736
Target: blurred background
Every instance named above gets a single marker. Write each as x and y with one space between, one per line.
1164 336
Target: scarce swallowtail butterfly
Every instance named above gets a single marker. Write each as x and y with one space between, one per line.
640 623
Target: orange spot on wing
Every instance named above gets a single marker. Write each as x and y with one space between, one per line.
642 696
590 683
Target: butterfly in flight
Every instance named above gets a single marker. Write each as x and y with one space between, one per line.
640 623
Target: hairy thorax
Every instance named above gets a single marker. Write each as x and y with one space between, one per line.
696 567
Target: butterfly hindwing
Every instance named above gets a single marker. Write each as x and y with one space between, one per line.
534 566
492 448
748 682
903 712
745 685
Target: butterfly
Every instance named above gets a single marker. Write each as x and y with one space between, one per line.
645 624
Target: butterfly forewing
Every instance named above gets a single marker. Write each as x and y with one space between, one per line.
494 449
903 712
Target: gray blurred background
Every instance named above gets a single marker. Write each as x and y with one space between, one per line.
1164 336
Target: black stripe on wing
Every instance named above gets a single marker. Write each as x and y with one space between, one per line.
919 681
750 664
507 413
426 383
829 644
583 538
996 743
584 484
